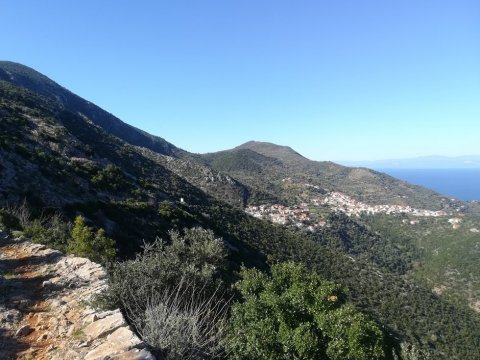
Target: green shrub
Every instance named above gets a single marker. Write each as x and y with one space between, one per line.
52 231
86 243
110 178
294 314
34 230
172 213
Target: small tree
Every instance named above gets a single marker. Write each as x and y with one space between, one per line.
294 314
95 246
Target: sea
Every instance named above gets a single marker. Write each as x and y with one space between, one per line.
462 184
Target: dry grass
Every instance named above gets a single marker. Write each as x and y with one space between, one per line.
181 323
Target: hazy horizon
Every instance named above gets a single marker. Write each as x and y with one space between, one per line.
420 162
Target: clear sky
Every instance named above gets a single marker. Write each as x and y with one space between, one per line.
335 79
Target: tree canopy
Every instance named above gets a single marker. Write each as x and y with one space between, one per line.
295 314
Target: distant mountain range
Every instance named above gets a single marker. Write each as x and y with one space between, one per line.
423 162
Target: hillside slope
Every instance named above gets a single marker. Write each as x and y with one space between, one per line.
438 255
72 154
27 78
265 165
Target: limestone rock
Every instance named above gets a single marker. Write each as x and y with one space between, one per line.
120 341
105 326
42 337
134 354
126 337
48 284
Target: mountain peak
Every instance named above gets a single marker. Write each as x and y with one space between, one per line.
283 153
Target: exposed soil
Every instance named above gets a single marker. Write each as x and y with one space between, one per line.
45 312
26 299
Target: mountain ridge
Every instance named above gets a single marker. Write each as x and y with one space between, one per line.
256 163
29 78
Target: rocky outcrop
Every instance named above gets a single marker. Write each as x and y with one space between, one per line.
45 311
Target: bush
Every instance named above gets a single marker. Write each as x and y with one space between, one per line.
196 257
181 323
172 294
294 314
110 178
35 231
22 213
169 211
95 246
51 231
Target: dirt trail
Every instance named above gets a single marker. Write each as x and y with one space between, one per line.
44 312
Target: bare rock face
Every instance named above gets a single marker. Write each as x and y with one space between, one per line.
134 354
105 326
119 343
44 311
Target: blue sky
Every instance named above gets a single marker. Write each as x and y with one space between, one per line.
336 80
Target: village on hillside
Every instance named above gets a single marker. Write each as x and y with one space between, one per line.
301 216
344 203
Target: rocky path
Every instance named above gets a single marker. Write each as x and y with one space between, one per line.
44 311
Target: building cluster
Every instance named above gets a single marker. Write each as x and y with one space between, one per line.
298 215
344 203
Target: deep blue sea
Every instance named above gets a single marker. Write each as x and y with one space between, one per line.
463 184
